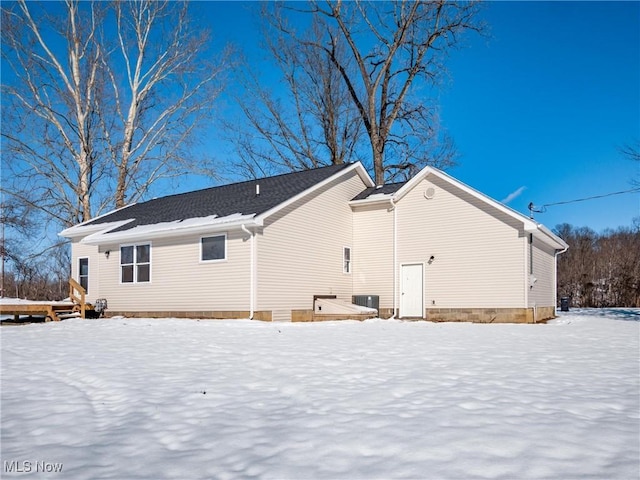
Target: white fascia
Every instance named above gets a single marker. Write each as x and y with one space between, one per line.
196 226
547 236
86 228
359 169
375 199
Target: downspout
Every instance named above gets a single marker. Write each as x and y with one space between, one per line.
526 272
530 277
395 258
555 279
252 272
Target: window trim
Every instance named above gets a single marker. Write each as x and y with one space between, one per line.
214 260
80 272
135 263
347 264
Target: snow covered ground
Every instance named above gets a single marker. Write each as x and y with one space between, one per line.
185 399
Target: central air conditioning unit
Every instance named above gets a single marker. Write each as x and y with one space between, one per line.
371 301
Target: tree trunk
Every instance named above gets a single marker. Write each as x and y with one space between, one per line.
378 162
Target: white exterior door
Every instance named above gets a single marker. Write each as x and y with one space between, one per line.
411 290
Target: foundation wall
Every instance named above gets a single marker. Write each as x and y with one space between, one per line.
490 315
311 316
475 315
220 315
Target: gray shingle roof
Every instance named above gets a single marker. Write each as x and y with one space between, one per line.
221 201
386 189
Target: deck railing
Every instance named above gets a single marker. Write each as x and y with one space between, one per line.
77 295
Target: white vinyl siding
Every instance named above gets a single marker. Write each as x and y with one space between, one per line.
373 239
181 282
542 294
94 257
478 251
300 253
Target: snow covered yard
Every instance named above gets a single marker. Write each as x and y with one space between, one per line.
185 399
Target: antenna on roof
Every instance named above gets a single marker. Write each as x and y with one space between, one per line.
532 209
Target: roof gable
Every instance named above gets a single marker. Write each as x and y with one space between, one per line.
394 193
427 171
221 205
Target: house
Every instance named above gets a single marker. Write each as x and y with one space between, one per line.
301 246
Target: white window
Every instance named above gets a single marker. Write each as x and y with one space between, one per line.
83 273
135 263
213 249
346 259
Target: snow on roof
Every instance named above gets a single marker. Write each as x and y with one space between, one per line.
233 203
166 229
85 229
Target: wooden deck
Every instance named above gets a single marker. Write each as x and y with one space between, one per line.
52 311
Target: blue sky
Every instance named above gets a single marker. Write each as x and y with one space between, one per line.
538 108
542 106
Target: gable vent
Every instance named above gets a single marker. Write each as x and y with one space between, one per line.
429 193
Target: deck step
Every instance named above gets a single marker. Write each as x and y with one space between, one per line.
65 315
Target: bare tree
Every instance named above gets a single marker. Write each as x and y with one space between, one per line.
306 121
91 118
99 101
48 118
632 152
32 269
600 270
171 80
393 46
15 221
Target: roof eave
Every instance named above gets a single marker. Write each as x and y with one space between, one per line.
357 167
548 237
375 200
86 228
133 235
